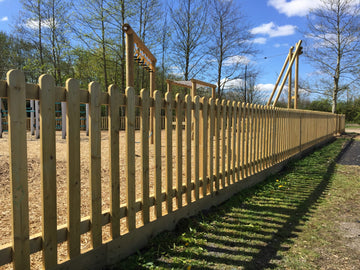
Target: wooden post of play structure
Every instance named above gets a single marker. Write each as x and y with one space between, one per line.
144 54
296 80
297 50
152 112
129 59
278 80
290 79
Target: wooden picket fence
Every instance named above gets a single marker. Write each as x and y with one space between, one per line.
218 144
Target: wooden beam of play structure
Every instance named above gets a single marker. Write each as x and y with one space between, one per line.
290 59
192 84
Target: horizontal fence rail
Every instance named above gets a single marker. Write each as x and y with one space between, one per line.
201 146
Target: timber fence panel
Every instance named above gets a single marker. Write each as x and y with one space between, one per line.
232 141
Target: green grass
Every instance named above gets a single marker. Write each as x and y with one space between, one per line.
256 229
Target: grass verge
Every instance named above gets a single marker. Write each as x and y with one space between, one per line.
268 226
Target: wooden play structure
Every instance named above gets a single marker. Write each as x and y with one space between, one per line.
289 62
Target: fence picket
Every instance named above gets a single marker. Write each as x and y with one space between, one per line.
168 139
95 163
157 146
233 157
73 166
196 144
238 142
188 147
48 170
217 143
228 145
179 169
130 158
223 138
211 144
114 127
203 145
145 109
18 167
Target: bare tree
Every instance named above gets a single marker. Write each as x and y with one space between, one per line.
91 27
30 26
189 24
333 42
230 41
57 14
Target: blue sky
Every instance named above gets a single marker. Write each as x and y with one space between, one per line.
275 24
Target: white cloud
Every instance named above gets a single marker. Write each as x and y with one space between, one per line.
260 40
267 87
294 7
231 84
273 30
34 24
278 45
236 59
4 19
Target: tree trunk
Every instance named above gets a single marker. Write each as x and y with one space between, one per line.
335 94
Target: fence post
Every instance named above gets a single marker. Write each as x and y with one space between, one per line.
18 169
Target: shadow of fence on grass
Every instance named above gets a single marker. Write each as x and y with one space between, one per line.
251 230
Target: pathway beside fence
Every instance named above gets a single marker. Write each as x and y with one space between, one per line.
209 151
